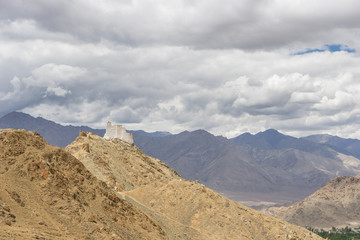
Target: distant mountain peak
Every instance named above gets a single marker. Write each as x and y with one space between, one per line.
16 114
198 132
246 134
270 131
201 131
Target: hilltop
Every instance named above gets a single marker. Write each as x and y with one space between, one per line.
121 165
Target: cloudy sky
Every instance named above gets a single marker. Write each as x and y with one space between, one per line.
224 66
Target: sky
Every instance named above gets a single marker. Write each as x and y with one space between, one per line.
227 67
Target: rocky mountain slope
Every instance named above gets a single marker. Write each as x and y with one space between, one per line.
184 209
46 193
121 165
336 204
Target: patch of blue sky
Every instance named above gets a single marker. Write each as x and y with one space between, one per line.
328 47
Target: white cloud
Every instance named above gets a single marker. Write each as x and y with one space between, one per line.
183 65
84 113
57 91
16 84
51 74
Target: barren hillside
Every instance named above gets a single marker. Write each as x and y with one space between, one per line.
46 193
184 209
334 205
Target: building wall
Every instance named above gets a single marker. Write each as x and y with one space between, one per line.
118 131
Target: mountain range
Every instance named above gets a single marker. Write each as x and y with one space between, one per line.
268 167
262 169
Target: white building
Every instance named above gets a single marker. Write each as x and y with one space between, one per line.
118 131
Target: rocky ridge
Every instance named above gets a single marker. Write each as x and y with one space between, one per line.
184 209
121 165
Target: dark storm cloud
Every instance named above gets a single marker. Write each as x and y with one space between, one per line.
201 24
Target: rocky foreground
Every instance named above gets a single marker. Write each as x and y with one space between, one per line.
46 193
100 189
